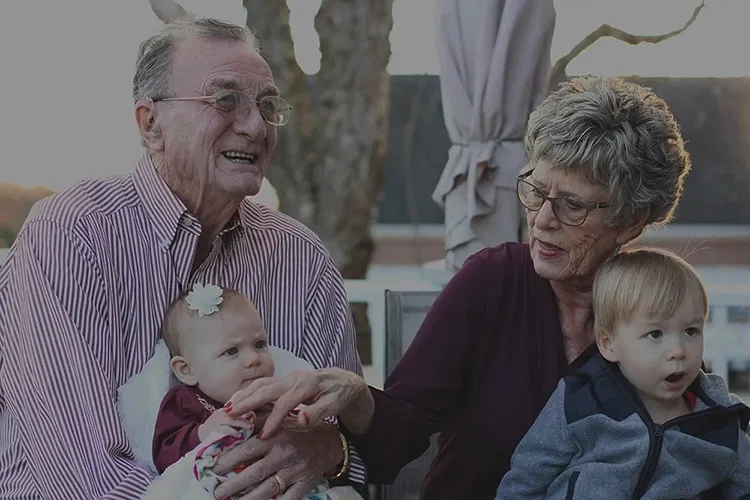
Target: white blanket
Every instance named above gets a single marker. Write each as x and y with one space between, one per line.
138 405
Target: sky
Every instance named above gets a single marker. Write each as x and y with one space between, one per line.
67 111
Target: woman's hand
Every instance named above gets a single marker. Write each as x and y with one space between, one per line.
326 393
287 465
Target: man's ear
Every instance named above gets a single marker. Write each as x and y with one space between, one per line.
145 117
182 371
604 343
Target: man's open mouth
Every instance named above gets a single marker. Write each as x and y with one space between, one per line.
240 157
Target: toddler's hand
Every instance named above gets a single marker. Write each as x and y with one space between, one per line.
220 421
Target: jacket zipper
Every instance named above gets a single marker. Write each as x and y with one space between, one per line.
656 432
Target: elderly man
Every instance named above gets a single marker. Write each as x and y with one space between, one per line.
87 283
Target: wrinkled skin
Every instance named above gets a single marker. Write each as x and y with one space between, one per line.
327 392
300 457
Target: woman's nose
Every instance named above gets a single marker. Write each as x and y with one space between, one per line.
545 217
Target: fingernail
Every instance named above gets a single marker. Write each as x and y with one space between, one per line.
228 407
305 419
260 435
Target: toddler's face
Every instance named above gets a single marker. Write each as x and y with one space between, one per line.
660 357
225 352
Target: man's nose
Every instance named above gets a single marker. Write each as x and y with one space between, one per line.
250 122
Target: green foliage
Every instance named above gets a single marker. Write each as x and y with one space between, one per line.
7 236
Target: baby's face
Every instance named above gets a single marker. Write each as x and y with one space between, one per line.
661 357
227 350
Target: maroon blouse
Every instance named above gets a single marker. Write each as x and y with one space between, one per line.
483 364
182 411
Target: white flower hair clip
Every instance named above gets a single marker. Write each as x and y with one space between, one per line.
205 299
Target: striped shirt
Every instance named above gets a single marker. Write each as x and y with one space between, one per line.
82 295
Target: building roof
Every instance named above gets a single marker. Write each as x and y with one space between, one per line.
713 113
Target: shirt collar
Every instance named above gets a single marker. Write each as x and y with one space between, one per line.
163 207
691 399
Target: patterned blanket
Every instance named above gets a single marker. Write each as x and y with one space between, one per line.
207 454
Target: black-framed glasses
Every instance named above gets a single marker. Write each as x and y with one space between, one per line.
568 211
273 109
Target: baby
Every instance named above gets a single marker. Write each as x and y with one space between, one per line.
214 353
638 418
218 345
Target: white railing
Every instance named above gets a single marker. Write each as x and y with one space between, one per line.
727 342
372 291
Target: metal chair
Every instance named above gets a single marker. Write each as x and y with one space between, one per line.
404 313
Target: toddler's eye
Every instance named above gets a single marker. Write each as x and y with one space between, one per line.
232 351
261 344
655 335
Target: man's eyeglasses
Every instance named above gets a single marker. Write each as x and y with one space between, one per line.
567 210
273 109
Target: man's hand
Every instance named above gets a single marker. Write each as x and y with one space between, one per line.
220 421
299 458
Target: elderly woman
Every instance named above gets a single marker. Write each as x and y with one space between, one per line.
606 161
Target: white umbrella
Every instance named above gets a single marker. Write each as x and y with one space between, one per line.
494 66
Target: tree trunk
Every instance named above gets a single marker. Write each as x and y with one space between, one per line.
330 160
329 164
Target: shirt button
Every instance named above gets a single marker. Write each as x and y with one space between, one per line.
187 221
164 243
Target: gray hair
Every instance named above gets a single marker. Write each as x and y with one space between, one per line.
153 67
623 136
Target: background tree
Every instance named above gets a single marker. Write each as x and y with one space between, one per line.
7 237
559 73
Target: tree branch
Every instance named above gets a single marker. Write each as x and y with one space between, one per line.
605 30
169 10
295 156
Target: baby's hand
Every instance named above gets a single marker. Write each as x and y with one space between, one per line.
220 421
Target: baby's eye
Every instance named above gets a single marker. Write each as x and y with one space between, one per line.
655 334
232 351
692 331
261 344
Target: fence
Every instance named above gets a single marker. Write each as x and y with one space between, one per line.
727 346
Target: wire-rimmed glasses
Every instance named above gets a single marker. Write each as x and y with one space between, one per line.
274 109
568 211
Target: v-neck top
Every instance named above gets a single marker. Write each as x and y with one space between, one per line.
484 362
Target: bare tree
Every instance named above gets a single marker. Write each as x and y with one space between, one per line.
559 69
329 165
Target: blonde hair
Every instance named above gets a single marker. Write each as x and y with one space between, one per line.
647 281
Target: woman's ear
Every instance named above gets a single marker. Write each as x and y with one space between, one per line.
606 347
145 117
182 371
627 234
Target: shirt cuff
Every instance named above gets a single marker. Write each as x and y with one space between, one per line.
357 470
